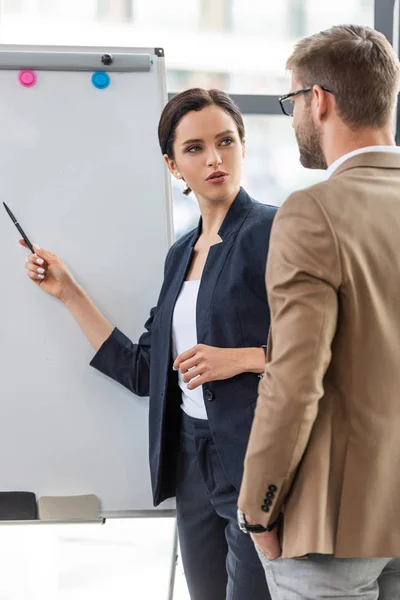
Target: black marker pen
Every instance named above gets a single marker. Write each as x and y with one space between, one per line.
17 225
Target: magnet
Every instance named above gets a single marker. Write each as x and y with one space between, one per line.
100 80
27 78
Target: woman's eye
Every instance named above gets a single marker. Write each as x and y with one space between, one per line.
193 149
227 142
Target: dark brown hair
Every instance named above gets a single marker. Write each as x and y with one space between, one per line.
193 99
358 65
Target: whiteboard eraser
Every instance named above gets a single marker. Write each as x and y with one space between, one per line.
69 508
17 506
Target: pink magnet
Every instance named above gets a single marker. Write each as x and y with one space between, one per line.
27 78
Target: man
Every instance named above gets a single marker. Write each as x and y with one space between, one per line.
325 444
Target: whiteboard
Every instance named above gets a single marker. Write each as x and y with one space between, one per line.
81 169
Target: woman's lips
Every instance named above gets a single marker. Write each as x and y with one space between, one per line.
217 178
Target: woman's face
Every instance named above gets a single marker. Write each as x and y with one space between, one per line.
208 153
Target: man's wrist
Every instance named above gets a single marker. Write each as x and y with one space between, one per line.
249 526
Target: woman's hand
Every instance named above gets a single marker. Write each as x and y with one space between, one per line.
52 276
50 273
202 363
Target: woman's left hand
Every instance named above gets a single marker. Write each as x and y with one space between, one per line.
204 363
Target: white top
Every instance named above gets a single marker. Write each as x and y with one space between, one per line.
184 337
342 159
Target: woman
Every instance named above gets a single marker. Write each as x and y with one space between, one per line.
201 355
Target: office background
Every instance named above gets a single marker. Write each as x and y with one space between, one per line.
239 46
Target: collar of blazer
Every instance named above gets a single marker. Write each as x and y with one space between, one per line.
379 160
234 218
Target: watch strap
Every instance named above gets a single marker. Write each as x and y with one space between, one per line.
255 528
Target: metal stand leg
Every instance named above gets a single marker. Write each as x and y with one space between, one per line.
173 565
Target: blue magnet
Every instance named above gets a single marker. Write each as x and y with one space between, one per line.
100 80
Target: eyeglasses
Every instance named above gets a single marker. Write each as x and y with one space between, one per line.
286 101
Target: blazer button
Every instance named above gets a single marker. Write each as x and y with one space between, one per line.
272 488
270 495
267 501
208 395
265 508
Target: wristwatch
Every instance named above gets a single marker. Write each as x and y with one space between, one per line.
265 348
248 528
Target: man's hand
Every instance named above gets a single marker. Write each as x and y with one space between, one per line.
268 543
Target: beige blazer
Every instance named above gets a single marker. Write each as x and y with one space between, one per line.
325 443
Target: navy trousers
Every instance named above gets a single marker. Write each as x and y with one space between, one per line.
220 562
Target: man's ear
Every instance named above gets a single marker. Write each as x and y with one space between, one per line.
322 102
173 169
244 148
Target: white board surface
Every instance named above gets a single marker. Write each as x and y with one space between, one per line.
82 171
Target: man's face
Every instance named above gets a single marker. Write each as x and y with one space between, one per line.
308 135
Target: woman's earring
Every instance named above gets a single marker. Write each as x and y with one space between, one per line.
178 175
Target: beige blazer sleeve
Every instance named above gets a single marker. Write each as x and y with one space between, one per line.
303 278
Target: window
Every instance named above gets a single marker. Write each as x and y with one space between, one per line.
296 18
115 10
272 168
240 45
13 6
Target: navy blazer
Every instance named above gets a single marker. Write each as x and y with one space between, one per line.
232 312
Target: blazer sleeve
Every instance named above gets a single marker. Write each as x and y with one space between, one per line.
303 278
126 362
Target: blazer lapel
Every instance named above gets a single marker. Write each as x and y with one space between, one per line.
216 259
217 256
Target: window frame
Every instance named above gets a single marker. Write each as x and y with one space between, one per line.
385 21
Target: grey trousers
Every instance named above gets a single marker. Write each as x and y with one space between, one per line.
324 576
